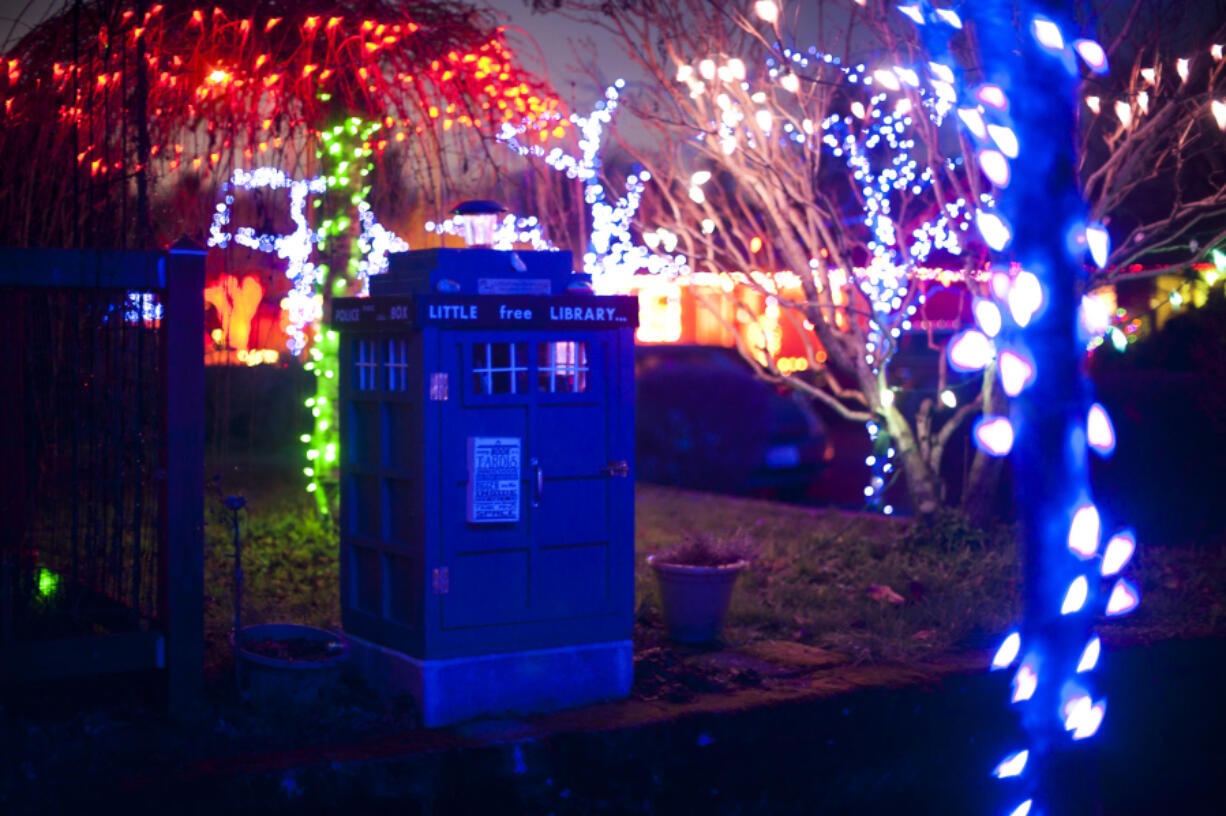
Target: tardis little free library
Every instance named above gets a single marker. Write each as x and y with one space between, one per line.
487 427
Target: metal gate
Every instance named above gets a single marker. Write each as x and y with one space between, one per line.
101 465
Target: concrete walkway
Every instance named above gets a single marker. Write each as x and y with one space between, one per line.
774 728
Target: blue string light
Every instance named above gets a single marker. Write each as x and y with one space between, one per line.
1036 334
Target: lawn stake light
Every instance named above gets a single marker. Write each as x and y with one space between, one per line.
479 222
486 494
234 504
1052 422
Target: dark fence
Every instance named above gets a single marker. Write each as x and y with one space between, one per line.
101 464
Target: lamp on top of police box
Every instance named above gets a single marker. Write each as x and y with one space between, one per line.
479 221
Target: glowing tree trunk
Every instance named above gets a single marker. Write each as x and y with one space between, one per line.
344 156
1049 417
351 244
1053 424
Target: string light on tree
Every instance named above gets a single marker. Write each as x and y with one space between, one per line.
613 256
872 132
1034 335
304 302
227 89
510 231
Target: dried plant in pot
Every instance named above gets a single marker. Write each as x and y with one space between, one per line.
288 664
695 580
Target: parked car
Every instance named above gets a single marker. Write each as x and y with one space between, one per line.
705 421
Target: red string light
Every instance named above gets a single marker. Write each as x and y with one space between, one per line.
250 73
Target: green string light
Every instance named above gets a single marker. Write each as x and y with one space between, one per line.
342 148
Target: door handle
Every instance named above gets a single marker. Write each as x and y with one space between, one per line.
619 468
539 480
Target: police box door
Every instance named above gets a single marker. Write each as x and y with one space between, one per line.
529 477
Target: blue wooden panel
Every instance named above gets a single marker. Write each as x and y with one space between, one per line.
573 539
573 439
621 490
402 434
487 588
573 510
367 575
403 587
402 520
559 410
362 434
487 563
364 516
571 581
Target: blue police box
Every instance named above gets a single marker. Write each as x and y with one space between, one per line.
487 501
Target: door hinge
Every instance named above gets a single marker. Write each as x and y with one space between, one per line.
438 386
620 468
441 580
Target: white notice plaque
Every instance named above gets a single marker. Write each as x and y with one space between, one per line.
493 479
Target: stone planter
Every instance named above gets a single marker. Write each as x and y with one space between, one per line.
305 663
695 600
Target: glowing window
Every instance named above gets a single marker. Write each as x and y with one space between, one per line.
562 367
396 361
500 368
365 365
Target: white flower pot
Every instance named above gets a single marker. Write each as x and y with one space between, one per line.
695 600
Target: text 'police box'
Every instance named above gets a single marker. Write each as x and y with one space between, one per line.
486 462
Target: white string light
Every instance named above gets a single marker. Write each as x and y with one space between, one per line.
613 257
304 302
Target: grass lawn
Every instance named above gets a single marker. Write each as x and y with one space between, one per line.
872 596
864 585
874 588
289 560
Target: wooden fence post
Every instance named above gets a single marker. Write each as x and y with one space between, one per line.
182 590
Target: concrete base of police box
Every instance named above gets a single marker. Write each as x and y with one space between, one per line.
529 682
